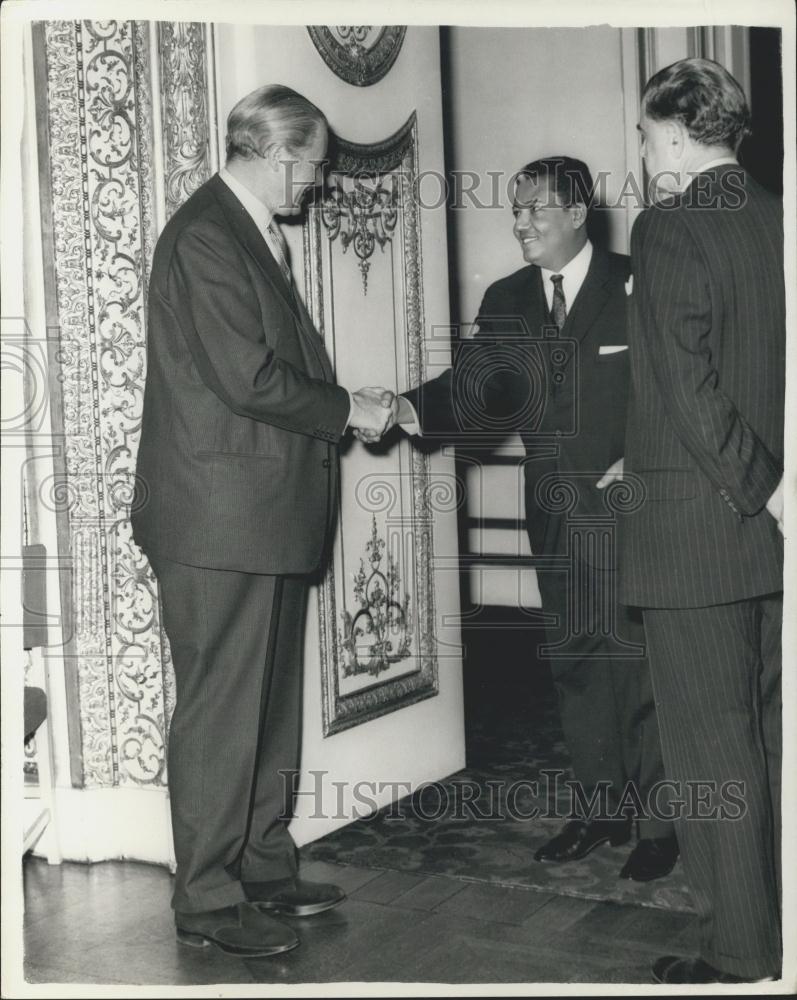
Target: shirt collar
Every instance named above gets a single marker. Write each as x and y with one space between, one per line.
575 270
721 161
261 215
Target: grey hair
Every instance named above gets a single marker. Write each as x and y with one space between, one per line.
270 115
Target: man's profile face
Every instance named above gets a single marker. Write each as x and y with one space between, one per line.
657 151
547 231
303 171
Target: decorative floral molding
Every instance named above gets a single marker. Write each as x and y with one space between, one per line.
100 166
380 632
363 216
186 120
362 204
360 54
393 165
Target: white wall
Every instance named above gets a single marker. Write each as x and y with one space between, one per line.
518 94
422 742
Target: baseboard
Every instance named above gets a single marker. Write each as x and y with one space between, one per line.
103 824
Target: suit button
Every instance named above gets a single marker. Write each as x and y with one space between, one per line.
558 434
326 463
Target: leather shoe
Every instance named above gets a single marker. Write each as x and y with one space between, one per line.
240 930
294 897
578 837
653 857
674 970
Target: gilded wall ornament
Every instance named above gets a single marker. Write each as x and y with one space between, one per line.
364 216
405 520
359 54
379 633
186 113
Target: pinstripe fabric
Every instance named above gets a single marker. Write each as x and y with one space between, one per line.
606 705
236 643
705 419
702 555
716 677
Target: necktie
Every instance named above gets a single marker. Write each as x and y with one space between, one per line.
559 307
279 248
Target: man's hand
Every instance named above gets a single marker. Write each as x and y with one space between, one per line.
374 413
775 504
614 474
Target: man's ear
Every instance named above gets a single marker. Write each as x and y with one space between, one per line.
274 154
677 137
578 213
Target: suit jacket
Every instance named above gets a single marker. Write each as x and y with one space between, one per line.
565 398
237 464
705 422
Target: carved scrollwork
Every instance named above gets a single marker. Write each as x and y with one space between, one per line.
393 164
187 149
379 633
364 216
98 107
359 54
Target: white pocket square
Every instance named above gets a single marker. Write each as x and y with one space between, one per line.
629 285
612 348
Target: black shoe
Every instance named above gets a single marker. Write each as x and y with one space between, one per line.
294 897
653 857
236 930
578 837
673 970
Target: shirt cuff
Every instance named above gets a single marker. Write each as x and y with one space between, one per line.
412 425
351 411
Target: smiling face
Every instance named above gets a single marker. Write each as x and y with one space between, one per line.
550 233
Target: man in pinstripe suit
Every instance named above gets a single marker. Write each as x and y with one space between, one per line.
702 555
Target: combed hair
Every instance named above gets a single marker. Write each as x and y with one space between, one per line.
704 97
269 115
568 178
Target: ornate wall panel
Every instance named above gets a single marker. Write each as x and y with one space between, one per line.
376 606
360 54
189 153
101 166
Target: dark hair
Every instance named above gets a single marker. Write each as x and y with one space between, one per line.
569 179
704 97
271 114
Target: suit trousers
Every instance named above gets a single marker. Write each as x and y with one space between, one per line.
234 742
716 675
606 704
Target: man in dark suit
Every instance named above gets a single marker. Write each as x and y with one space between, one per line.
702 554
566 396
236 490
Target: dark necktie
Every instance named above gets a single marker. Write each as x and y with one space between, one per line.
279 248
559 307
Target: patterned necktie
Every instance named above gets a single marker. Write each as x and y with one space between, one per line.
559 307
279 248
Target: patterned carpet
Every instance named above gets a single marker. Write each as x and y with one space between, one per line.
456 841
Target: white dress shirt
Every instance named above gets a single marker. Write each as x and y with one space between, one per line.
262 216
573 274
261 213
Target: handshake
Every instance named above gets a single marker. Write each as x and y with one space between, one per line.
374 411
